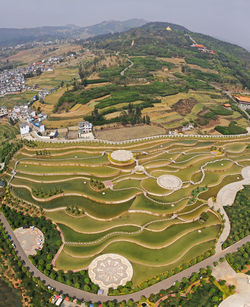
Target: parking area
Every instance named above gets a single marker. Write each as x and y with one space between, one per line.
30 238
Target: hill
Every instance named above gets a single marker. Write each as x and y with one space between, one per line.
12 36
169 40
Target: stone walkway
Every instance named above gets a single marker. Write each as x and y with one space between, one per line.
241 281
226 197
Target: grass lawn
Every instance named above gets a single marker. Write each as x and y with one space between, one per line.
93 208
87 224
65 169
142 273
127 184
78 186
143 203
151 185
73 236
213 191
235 147
151 256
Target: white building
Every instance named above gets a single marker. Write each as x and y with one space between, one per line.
3 111
53 134
84 127
188 127
42 128
24 129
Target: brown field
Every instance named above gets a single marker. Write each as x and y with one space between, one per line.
126 133
193 66
35 54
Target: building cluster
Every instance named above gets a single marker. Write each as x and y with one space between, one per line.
13 80
203 49
181 131
3 112
29 119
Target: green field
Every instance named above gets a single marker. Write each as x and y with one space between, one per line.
135 217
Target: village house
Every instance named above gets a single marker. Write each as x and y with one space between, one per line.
188 127
3 111
24 129
84 128
53 134
243 101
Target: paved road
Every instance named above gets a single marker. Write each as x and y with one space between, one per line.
80 294
130 65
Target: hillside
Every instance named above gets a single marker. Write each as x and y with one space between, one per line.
156 33
155 40
159 73
12 36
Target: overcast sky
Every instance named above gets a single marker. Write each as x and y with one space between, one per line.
225 19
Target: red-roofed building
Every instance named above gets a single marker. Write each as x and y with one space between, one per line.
243 101
200 46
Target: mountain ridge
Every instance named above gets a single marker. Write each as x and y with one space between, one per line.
13 36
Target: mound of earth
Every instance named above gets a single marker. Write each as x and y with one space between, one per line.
184 106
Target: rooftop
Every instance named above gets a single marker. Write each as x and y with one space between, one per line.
243 98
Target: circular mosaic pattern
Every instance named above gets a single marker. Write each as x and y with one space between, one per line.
110 270
169 182
122 155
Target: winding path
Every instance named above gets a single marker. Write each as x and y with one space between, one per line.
80 294
130 65
226 197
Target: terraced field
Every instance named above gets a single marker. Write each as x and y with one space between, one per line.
122 208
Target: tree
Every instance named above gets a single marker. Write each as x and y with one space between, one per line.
215 298
148 121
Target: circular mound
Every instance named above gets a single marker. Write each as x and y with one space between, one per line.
110 270
139 169
169 182
31 239
122 155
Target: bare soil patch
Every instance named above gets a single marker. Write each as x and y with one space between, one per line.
127 133
184 106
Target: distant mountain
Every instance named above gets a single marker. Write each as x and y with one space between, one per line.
12 36
106 27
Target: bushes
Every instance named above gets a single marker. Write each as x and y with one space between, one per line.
83 96
36 291
96 81
206 76
231 129
44 194
220 110
204 63
198 290
7 151
51 245
240 259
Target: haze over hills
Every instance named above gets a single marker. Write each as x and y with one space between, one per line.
11 36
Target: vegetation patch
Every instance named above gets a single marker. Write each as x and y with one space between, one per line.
239 217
